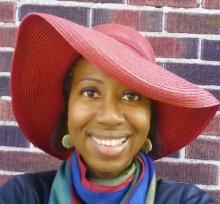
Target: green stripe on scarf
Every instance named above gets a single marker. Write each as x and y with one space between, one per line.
151 192
61 191
116 181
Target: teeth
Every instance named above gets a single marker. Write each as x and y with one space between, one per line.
108 142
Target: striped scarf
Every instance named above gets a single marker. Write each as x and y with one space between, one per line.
72 186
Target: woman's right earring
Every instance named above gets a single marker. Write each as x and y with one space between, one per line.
66 141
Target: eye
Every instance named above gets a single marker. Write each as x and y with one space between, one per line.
89 92
131 96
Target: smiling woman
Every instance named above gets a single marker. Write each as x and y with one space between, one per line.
96 99
112 121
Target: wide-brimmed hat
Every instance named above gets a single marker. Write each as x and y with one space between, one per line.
47 46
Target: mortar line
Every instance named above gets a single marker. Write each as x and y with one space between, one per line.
199 49
189 161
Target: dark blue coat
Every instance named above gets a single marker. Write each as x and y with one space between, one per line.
35 189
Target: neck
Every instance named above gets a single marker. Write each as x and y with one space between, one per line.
109 181
94 174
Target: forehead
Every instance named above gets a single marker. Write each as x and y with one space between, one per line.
85 69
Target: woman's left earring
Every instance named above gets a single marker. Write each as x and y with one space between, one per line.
66 141
147 146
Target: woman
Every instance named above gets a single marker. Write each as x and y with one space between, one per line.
96 98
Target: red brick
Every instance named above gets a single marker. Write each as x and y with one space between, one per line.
5 59
6 113
196 73
161 3
12 136
211 4
7 36
188 172
204 149
4 179
4 86
175 47
7 11
192 23
215 195
213 127
27 161
210 49
79 15
140 20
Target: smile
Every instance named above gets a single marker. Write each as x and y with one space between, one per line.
109 142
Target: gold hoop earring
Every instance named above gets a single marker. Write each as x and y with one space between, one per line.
66 141
147 146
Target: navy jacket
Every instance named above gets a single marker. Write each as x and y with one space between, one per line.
35 189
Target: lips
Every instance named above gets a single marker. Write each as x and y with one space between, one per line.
109 143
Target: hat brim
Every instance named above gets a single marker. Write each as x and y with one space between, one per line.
48 45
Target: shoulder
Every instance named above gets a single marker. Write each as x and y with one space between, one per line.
28 188
176 192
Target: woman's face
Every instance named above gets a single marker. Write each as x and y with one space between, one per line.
107 122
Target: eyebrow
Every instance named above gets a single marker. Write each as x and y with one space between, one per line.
90 79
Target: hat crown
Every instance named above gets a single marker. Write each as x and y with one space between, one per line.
130 37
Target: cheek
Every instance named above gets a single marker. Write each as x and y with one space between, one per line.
79 115
141 124
141 121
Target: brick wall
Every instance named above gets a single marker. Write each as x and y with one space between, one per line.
186 39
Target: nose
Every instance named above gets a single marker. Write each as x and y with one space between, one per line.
110 115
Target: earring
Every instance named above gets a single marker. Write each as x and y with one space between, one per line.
147 146
66 141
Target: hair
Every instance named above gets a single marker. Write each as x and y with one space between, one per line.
57 136
153 132
61 130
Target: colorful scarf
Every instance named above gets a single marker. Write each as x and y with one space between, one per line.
72 186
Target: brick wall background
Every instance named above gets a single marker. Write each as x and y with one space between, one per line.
186 39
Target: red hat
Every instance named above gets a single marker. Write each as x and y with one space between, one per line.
46 48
